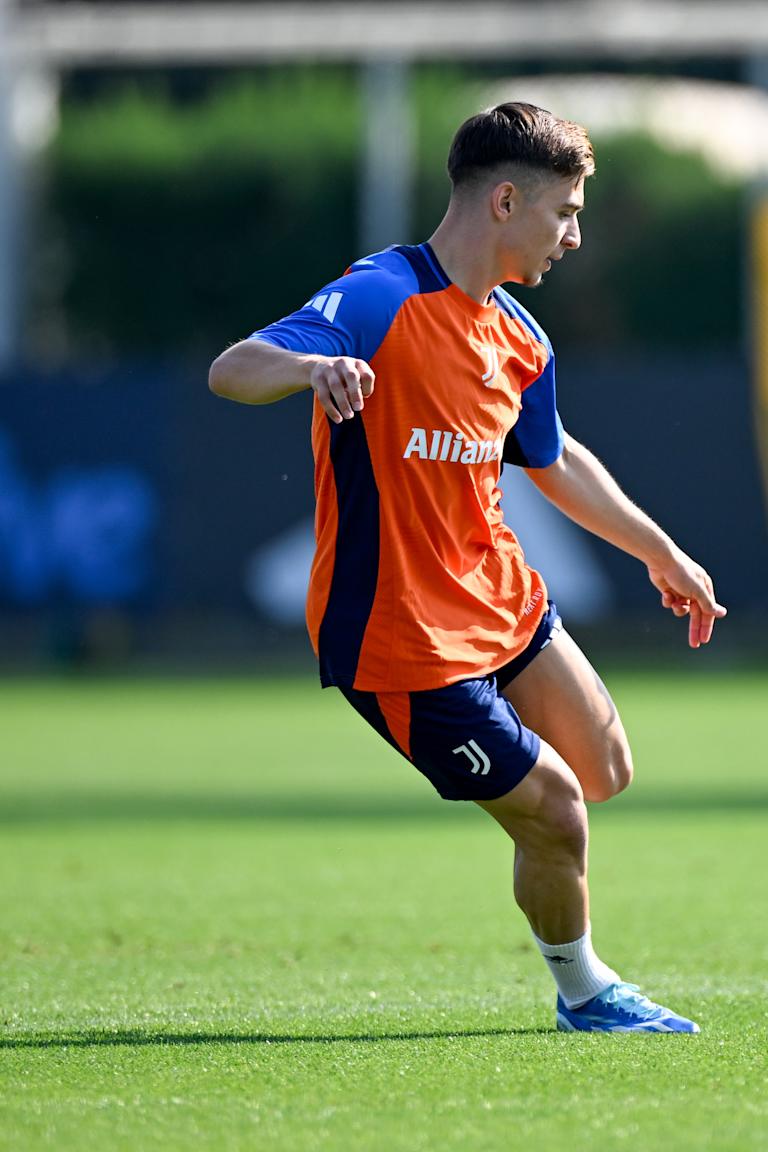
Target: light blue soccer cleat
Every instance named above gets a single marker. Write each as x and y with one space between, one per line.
621 1008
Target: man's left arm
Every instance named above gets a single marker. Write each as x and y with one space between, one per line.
582 488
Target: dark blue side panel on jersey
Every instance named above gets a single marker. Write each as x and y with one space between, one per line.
356 563
513 452
367 704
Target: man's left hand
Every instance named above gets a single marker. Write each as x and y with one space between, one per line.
686 589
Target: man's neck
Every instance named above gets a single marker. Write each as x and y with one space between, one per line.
462 258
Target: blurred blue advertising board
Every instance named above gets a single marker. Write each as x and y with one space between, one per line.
137 489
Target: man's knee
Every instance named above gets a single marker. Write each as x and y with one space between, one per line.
616 775
560 827
565 825
623 769
545 813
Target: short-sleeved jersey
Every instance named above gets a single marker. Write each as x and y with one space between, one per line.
417 581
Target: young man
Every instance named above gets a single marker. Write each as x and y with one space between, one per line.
421 607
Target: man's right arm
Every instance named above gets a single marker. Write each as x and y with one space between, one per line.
257 372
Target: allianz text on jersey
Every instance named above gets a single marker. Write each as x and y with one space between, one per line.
452 447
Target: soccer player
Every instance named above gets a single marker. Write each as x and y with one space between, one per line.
421 608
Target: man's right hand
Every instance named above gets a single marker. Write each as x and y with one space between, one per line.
342 385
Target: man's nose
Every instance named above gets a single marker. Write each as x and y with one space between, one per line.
572 238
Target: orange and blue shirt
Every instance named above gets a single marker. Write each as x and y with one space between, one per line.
417 581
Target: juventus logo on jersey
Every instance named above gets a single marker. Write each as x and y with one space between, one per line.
491 360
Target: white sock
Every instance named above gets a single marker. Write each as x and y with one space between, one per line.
578 972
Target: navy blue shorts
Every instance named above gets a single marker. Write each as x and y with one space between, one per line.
465 738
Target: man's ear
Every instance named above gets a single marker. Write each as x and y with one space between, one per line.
505 198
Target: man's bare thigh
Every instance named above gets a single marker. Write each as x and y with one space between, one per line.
560 696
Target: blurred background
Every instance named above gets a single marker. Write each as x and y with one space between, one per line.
177 175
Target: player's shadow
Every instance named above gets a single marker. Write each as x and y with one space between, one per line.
134 1038
100 807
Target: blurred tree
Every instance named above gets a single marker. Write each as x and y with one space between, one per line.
180 216
661 259
177 226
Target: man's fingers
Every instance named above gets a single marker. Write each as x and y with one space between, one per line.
679 605
687 590
694 626
700 626
367 377
705 627
341 386
322 390
331 390
345 390
703 622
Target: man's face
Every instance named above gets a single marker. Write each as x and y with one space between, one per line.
542 226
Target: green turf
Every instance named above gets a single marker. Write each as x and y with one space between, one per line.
232 919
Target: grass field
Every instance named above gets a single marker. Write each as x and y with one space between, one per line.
232 919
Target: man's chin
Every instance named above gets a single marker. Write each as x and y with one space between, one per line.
526 281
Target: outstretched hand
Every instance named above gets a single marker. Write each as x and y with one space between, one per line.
342 384
686 589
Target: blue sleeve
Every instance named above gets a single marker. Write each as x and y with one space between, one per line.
537 438
349 317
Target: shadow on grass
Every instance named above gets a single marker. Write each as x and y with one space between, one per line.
71 806
134 1038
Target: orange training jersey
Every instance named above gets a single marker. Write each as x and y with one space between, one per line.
417 581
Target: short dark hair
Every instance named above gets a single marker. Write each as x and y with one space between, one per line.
521 135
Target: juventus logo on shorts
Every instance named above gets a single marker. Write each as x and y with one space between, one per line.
477 757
